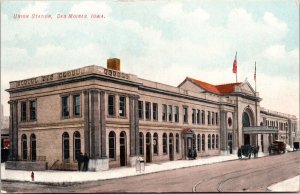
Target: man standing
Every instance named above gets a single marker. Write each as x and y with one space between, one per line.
79 161
85 162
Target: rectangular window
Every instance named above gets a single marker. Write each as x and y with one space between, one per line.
164 114
217 122
32 107
198 117
208 117
111 105
212 118
122 107
155 111
194 116
76 105
176 115
148 110
65 106
23 111
141 109
185 114
170 113
177 143
203 117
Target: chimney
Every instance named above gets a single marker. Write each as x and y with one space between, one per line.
113 63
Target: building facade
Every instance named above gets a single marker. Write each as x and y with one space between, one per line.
115 117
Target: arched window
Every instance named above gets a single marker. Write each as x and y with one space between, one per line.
198 143
213 141
246 120
76 145
66 146
203 142
24 147
141 144
217 141
177 143
155 144
112 145
33 147
209 142
164 143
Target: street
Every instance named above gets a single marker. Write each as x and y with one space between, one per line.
253 175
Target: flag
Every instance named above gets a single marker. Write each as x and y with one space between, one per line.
234 68
255 72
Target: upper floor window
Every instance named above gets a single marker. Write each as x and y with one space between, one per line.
198 116
111 105
148 110
155 111
212 118
185 114
194 116
65 106
208 117
203 117
170 112
32 108
122 107
217 122
141 109
176 114
76 105
164 114
23 111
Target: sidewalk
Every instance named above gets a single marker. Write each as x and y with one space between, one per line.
289 185
59 177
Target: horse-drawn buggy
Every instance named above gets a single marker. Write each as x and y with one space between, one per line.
247 151
277 147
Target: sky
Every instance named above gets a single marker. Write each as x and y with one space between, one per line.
163 41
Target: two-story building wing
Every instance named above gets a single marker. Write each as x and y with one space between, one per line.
115 117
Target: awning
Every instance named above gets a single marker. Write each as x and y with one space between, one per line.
260 130
187 130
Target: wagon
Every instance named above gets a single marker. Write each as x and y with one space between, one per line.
277 147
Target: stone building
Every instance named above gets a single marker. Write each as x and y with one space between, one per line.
115 117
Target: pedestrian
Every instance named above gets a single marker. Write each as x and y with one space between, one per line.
32 176
79 161
85 162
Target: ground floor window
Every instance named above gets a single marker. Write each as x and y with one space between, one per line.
217 141
141 147
112 145
66 146
177 143
33 147
164 143
209 142
198 143
76 145
213 141
203 142
24 147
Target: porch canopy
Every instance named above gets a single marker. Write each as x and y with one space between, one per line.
260 130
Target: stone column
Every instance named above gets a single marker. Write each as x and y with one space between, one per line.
234 134
133 128
290 142
13 132
223 132
86 123
95 120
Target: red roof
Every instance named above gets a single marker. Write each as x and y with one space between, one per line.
218 89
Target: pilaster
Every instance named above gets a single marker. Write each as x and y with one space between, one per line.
86 123
95 122
102 125
13 133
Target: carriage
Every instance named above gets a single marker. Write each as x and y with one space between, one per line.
247 151
277 147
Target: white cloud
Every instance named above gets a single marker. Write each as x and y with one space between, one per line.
91 7
37 7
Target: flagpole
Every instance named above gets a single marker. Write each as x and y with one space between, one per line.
236 67
255 98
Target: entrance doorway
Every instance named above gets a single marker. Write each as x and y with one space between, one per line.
171 146
148 147
246 139
123 149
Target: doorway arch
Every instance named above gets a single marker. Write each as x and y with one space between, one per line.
247 121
